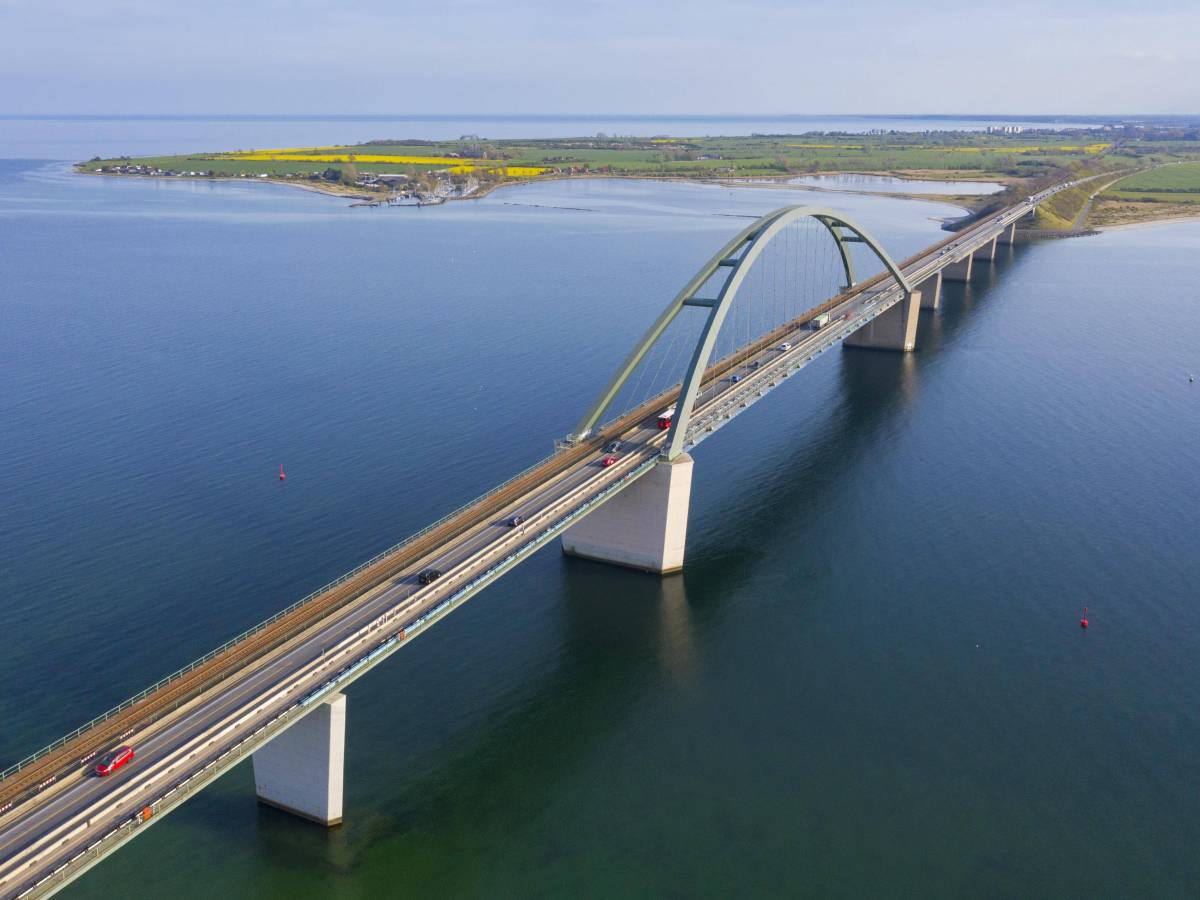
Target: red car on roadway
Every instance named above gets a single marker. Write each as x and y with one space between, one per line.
608 461
113 760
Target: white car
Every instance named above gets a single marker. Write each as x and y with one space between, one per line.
785 346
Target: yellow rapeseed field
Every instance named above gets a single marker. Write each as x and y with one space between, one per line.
525 171
512 171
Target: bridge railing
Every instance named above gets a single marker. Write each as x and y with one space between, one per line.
212 654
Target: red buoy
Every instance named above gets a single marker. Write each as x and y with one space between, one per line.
1083 623
282 476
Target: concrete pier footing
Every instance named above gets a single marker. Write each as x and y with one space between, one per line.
959 270
896 329
300 771
644 526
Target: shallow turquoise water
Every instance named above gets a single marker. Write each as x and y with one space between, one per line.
869 679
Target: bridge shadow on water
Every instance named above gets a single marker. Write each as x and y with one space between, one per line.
618 631
963 304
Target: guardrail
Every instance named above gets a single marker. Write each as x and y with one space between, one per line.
192 666
155 809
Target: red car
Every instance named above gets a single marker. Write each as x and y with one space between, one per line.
608 460
113 760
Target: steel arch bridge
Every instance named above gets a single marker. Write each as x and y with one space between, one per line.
731 264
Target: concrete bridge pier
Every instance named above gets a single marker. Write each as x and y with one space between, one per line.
644 526
959 270
896 329
1008 236
300 771
987 252
931 291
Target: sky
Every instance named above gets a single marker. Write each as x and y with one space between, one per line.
586 57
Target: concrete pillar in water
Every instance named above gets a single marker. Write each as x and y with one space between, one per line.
896 329
987 252
1008 235
959 270
300 771
644 526
931 291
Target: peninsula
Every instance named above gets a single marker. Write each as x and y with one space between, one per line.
1147 181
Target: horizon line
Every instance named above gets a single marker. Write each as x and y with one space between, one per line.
587 116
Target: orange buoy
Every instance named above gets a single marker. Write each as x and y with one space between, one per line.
1083 623
282 476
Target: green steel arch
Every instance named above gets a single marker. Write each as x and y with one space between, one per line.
736 257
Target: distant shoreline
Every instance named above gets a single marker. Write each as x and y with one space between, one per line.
331 190
967 203
469 167
422 172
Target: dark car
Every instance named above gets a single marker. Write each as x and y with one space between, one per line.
113 760
734 379
429 576
515 521
614 447
755 364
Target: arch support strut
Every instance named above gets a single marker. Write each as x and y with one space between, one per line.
734 260
645 525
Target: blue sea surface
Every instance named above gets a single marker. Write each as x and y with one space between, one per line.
870 678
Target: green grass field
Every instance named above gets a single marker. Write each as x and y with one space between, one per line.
1154 196
1175 183
1181 178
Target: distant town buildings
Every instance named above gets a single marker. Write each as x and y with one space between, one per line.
132 169
1004 129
